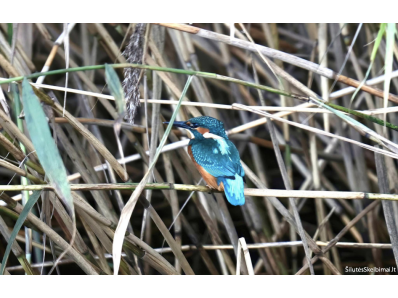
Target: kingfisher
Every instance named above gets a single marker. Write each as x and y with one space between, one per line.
215 157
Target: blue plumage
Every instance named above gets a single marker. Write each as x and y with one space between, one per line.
216 157
233 189
220 158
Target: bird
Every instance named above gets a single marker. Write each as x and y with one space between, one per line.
215 157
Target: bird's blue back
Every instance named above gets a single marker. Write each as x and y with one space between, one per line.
220 158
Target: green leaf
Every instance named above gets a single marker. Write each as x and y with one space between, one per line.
44 144
21 219
378 41
10 32
115 87
388 61
372 58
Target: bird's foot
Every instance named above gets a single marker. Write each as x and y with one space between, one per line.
219 188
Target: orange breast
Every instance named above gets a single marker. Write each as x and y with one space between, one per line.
210 180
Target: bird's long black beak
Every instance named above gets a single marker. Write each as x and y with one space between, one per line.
181 124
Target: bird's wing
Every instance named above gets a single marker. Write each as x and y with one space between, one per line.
219 157
236 157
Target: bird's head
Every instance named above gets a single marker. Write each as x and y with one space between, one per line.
203 127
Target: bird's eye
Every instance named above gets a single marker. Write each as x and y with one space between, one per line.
193 125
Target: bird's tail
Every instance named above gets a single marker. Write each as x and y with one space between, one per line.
234 190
